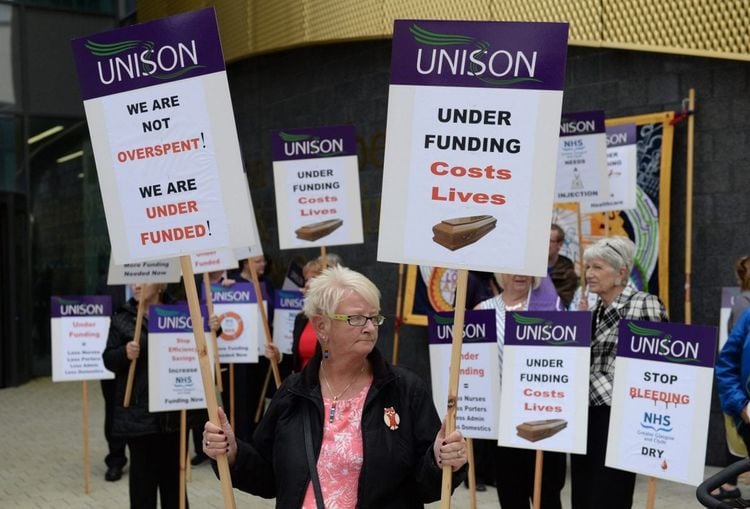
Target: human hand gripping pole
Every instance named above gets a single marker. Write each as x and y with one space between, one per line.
449 449
220 440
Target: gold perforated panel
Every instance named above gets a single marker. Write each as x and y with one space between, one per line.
713 28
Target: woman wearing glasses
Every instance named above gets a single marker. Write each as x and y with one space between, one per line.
349 430
608 263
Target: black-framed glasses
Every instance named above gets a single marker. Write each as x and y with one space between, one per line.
360 320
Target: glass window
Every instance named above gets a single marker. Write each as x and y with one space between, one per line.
11 174
96 6
7 89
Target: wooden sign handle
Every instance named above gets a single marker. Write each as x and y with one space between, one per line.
214 339
183 457
397 325
538 468
86 461
137 339
264 319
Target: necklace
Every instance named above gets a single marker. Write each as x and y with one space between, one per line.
337 396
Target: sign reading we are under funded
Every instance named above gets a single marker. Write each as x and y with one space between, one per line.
661 400
473 110
316 177
79 329
159 113
545 391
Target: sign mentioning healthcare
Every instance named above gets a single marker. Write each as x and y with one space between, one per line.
473 108
622 168
154 271
661 400
79 327
173 371
159 113
316 177
478 393
287 305
212 261
237 309
582 160
545 390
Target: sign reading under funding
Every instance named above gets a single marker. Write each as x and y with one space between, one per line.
154 271
287 305
622 169
79 326
160 118
582 161
173 370
241 325
316 177
661 400
473 110
545 390
478 393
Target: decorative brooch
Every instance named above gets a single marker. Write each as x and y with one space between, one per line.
391 418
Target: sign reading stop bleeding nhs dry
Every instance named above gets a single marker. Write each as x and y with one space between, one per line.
160 118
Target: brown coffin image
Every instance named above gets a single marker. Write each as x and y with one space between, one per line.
538 430
461 231
316 231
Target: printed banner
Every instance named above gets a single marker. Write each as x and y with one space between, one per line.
622 169
287 305
242 328
79 326
174 375
160 119
473 108
316 177
661 400
582 160
545 390
478 392
155 271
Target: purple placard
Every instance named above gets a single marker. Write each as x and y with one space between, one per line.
137 56
173 318
313 142
484 54
288 299
238 292
620 135
480 326
585 122
691 345
548 328
80 305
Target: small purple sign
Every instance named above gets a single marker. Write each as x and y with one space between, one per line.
137 56
693 345
548 328
620 135
586 122
80 305
313 142
173 318
480 326
485 54
288 299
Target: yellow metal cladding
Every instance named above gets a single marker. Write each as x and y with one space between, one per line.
712 28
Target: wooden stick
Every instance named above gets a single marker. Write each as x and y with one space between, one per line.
214 339
86 462
205 366
472 474
450 420
651 498
266 327
189 468
137 339
232 412
538 468
397 325
324 257
584 290
262 400
689 209
183 436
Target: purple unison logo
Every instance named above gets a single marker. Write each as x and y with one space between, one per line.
653 342
296 145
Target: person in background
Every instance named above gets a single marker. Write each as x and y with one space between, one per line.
561 269
116 458
350 430
608 264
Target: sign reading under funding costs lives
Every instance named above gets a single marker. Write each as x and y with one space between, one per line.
582 160
241 326
173 370
79 326
478 392
661 400
287 305
316 177
160 118
473 110
153 271
545 391
622 168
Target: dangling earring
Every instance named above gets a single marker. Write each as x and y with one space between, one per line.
326 354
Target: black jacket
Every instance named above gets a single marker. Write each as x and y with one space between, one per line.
399 469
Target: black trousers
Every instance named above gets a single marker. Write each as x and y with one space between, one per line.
593 485
155 467
514 477
116 456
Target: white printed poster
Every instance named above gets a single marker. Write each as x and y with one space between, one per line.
153 271
241 325
214 261
287 305
622 169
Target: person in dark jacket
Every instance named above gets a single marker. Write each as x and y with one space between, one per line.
366 433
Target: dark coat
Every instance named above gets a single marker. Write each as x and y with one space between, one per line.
399 469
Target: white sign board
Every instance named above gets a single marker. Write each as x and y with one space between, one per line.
242 328
154 271
287 305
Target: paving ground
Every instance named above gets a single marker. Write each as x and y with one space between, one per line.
41 446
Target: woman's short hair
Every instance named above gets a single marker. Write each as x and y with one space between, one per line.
742 269
332 286
616 251
535 280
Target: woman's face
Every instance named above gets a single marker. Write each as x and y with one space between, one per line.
260 264
149 292
516 284
344 340
601 277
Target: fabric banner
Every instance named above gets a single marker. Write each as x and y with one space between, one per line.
287 305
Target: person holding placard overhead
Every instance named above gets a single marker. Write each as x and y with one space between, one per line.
514 468
350 430
608 263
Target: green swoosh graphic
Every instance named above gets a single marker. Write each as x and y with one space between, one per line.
105 50
527 320
424 36
177 73
443 320
294 137
69 301
167 312
643 330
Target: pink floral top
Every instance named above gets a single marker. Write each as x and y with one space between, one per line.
341 454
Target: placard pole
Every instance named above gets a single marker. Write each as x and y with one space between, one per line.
266 327
651 498
259 410
538 469
689 209
86 461
137 340
214 339
183 452
397 325
472 474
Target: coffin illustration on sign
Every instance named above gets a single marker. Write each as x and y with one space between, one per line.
461 231
539 430
315 231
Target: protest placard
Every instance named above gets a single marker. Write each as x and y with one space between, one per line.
152 271
214 260
287 305
622 169
661 400
237 309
